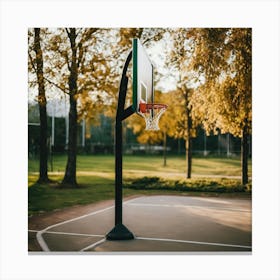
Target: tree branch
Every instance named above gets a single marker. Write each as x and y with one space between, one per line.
67 62
32 62
81 53
56 85
85 37
68 32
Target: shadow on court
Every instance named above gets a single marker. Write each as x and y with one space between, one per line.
159 224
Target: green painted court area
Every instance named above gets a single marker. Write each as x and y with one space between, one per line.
95 175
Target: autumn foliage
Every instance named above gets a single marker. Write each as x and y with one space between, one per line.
210 70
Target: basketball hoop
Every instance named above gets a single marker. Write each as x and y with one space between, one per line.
151 112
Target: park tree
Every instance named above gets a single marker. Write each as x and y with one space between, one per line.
223 58
73 65
84 64
80 68
186 123
36 65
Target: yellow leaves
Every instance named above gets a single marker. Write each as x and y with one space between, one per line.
224 101
126 35
215 62
150 137
137 127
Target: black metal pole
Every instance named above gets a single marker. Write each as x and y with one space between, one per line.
120 232
118 172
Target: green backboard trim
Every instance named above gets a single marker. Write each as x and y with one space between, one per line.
134 78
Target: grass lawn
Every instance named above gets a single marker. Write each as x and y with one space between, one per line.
95 175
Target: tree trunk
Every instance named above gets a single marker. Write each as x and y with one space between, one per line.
43 170
244 155
188 135
189 156
70 172
164 148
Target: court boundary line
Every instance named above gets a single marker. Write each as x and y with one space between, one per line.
173 240
70 233
39 234
74 233
93 245
145 238
194 242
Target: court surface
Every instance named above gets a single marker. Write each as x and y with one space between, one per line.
159 224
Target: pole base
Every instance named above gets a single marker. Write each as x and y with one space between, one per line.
119 232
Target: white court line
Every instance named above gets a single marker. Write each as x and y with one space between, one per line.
44 246
93 245
193 242
140 238
74 233
39 234
175 241
69 233
143 238
40 238
188 206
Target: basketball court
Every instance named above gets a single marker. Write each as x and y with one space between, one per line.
150 223
179 224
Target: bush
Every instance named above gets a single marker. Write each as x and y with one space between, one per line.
222 185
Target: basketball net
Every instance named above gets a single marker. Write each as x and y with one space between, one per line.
152 112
